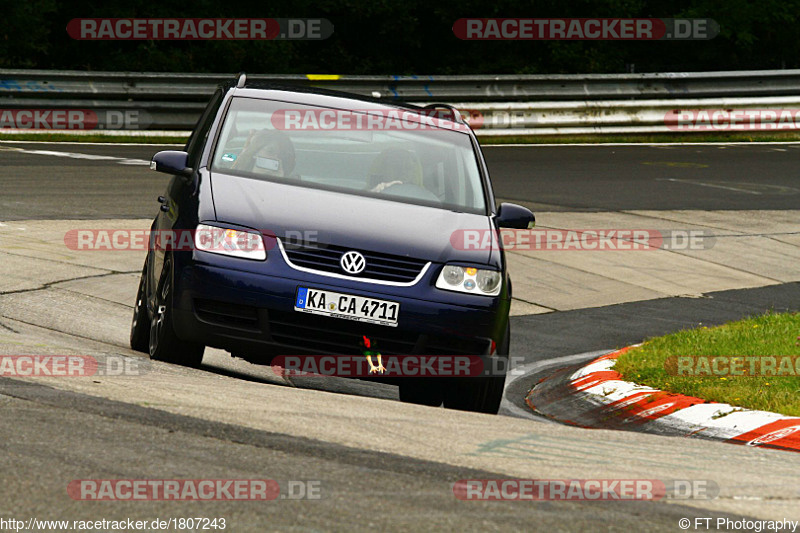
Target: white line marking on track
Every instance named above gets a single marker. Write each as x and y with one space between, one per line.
713 185
81 143
509 409
522 371
76 155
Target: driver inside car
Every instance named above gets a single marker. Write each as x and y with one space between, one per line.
267 152
394 166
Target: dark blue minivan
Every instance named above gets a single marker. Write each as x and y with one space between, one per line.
320 220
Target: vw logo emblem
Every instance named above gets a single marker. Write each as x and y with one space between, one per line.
353 262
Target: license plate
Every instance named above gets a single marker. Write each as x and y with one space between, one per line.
347 306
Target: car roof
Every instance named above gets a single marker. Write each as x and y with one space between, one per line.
315 96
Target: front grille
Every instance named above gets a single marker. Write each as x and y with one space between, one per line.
380 266
226 314
313 333
343 337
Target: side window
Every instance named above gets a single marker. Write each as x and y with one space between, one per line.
198 139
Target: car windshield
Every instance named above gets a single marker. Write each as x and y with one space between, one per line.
371 154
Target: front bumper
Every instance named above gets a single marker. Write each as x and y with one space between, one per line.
253 313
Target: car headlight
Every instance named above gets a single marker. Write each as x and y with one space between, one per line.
470 280
232 242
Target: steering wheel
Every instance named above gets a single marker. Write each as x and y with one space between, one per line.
410 190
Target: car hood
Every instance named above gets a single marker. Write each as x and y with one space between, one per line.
346 220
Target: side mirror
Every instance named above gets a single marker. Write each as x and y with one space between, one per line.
515 216
171 162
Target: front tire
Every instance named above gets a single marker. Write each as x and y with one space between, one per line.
481 395
164 344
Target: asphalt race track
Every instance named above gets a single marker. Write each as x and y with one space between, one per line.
612 178
380 463
553 178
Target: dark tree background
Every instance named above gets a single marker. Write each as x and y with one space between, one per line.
402 37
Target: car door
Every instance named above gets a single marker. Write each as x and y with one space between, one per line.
179 189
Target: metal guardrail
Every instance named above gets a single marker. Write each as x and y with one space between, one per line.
611 117
498 105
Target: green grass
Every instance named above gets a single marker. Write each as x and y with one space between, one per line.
770 334
91 138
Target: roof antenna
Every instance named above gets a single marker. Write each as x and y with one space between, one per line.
241 81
